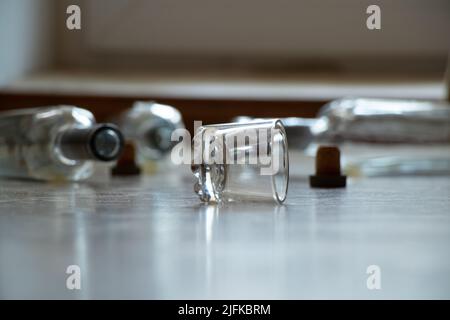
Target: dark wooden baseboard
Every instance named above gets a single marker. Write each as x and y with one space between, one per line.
208 111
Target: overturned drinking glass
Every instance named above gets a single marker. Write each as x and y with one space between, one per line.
235 162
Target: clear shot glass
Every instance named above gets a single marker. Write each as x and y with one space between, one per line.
241 162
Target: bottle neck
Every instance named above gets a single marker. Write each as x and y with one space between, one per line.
102 142
300 131
159 138
154 137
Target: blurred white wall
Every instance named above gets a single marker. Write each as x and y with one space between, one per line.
286 33
227 34
280 28
26 37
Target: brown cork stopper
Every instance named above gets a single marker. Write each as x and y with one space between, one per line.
126 165
328 161
328 169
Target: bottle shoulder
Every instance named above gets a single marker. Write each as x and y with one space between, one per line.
32 139
151 110
46 111
35 122
48 122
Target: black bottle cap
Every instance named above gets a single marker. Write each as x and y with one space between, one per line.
102 142
106 142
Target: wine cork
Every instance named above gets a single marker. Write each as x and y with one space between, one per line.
328 169
126 165
328 161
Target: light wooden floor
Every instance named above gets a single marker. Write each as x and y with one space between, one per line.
151 238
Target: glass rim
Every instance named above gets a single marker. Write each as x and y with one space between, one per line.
280 195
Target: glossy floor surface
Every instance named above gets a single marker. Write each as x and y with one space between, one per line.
150 238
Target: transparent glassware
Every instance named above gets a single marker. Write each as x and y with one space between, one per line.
395 133
241 162
55 143
149 125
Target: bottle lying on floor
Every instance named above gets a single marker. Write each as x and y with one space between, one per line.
55 143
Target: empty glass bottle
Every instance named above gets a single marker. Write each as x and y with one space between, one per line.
378 136
55 143
149 125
